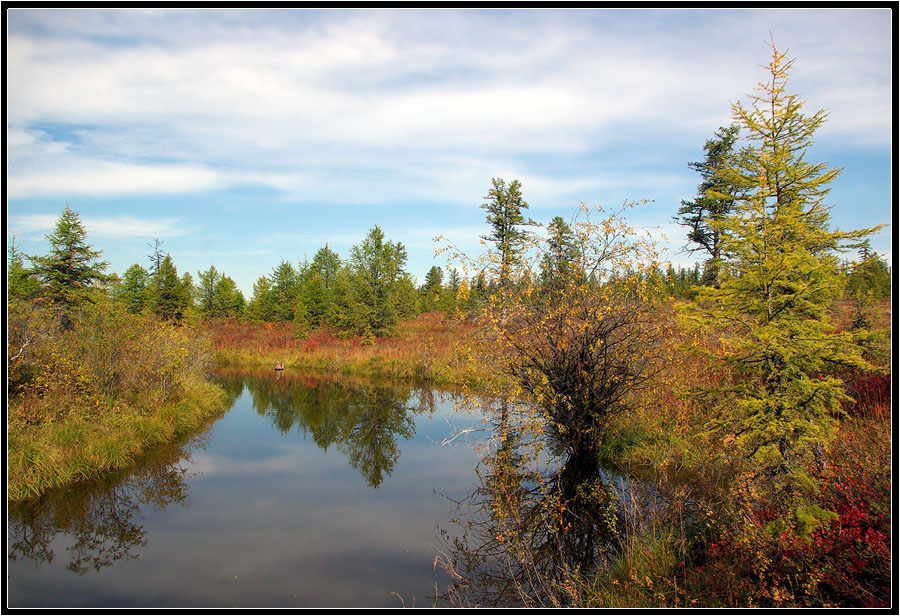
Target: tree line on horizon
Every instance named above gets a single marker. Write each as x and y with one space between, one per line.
368 293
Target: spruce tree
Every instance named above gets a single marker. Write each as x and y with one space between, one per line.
779 279
715 199
69 271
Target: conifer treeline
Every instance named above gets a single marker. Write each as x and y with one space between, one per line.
364 295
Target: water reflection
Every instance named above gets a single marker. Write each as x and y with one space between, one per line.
364 421
313 549
102 517
540 514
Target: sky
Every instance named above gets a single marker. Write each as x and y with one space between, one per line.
241 138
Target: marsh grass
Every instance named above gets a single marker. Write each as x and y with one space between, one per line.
424 349
89 398
81 448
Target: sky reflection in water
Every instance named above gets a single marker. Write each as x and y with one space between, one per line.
308 492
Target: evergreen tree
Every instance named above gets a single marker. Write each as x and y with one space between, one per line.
169 296
317 289
21 284
284 290
448 296
504 207
715 199
376 265
779 280
228 300
187 283
871 275
561 253
260 306
70 270
431 290
206 292
133 289
406 297
326 263
868 280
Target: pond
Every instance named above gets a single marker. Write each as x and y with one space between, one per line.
308 492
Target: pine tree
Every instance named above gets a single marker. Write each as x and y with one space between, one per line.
780 276
504 207
715 198
70 270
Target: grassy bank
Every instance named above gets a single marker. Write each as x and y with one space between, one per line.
81 446
89 396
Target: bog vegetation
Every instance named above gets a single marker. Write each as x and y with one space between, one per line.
745 402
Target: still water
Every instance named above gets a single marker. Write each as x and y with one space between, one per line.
308 491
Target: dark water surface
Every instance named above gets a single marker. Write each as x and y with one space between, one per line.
309 491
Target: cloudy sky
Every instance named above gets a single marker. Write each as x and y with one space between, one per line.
243 137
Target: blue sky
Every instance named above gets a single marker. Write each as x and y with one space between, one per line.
243 137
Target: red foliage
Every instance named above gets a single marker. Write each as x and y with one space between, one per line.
857 546
766 560
871 394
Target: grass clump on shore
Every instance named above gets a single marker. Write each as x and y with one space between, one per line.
92 394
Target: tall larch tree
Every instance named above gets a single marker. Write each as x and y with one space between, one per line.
206 291
133 290
779 279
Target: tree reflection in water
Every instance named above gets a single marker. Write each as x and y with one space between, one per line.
541 515
364 421
102 517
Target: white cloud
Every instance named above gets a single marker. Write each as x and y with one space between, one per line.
290 99
99 177
31 223
99 226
